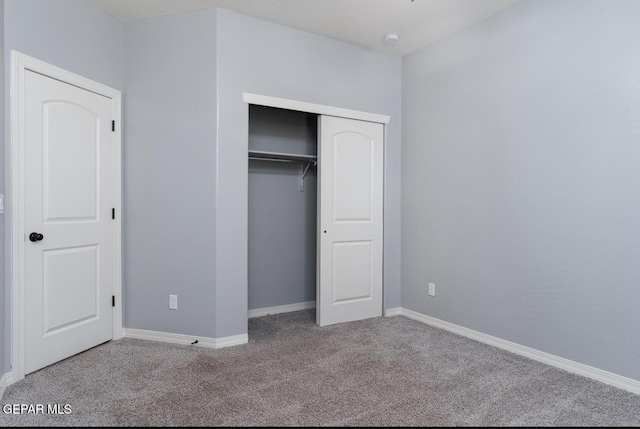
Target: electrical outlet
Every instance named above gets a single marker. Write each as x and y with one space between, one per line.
432 289
173 302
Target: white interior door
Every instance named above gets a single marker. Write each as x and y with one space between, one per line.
69 239
350 167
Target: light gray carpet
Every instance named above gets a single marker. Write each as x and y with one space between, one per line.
384 371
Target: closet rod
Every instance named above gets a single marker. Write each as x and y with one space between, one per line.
303 174
310 160
258 158
280 156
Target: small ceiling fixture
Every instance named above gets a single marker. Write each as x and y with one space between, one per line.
391 39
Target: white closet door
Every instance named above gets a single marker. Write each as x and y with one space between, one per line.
350 207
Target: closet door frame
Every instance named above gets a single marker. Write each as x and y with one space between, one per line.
323 110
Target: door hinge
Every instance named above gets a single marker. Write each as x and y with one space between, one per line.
113 300
113 125
113 214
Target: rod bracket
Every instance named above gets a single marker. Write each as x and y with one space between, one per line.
303 172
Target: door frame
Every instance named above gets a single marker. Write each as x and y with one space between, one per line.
20 64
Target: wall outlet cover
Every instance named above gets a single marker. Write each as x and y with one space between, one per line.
432 289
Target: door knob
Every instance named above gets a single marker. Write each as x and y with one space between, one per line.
35 236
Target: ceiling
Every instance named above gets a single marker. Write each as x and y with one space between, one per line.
360 22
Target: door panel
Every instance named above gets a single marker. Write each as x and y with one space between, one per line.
351 271
70 272
350 205
68 197
70 187
352 184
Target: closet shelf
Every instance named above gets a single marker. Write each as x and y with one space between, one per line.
309 160
279 156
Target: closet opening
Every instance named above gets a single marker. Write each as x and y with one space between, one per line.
315 210
282 218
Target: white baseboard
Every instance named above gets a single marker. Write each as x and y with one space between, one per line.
616 380
259 312
165 337
5 381
390 312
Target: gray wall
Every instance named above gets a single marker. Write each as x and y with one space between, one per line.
4 309
282 220
169 173
71 34
264 58
520 179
